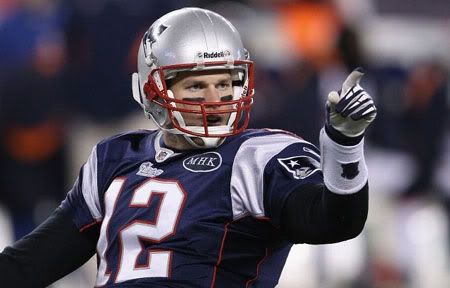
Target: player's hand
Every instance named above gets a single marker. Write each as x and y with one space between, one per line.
351 110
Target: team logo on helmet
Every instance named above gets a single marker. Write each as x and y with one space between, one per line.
151 36
205 162
300 167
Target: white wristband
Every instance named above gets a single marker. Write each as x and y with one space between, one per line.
344 167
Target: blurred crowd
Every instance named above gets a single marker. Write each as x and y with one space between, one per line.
65 68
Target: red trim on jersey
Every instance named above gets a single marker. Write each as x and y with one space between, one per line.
262 218
219 259
257 269
89 225
222 245
108 271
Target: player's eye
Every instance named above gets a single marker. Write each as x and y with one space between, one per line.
194 87
226 98
196 99
223 85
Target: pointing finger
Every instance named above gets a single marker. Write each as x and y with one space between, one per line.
352 80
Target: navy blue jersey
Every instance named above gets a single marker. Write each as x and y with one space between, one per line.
200 218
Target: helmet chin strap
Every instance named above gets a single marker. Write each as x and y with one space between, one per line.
208 142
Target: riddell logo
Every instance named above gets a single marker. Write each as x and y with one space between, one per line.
213 54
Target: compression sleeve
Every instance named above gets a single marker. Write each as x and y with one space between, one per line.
335 210
51 251
313 214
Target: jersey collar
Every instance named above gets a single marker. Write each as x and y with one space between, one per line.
162 153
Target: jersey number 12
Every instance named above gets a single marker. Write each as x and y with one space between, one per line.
172 198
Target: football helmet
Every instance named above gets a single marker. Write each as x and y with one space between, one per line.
193 39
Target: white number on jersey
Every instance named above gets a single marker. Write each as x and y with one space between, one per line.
158 265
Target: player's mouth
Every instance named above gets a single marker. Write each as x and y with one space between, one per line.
214 120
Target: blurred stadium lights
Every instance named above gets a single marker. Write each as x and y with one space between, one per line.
400 32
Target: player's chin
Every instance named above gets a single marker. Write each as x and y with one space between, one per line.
208 124
211 121
216 124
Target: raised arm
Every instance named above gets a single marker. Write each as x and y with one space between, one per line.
337 209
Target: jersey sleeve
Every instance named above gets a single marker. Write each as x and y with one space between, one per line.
295 166
82 202
267 169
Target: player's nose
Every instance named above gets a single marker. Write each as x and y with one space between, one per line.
212 94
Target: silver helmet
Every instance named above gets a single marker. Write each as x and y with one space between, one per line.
193 39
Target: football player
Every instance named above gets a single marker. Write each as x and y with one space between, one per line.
202 201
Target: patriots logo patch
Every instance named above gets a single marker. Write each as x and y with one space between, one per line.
147 170
300 167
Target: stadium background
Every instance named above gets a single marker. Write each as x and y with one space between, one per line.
65 80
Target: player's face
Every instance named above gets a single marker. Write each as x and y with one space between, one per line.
203 86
